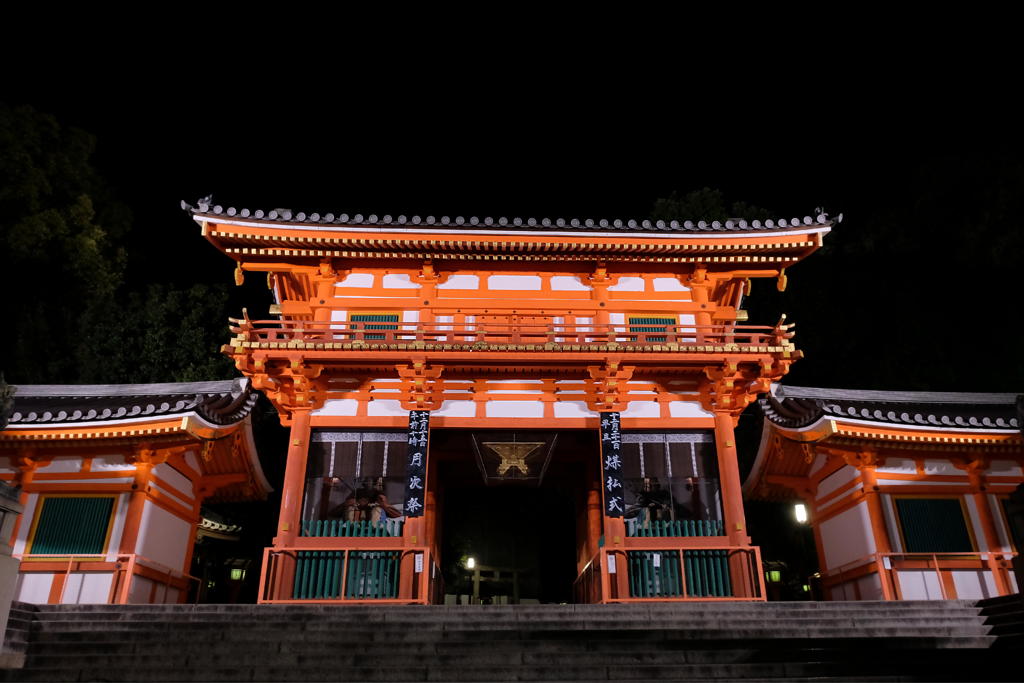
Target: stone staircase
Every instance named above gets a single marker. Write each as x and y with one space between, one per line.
853 641
1005 617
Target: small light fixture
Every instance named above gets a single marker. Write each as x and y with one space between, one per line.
807 588
470 563
800 511
237 574
774 575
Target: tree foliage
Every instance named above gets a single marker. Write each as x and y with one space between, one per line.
62 265
705 204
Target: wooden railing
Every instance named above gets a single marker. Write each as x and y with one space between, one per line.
674 528
641 574
888 566
379 575
277 334
124 568
336 528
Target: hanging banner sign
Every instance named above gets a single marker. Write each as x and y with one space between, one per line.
416 471
611 464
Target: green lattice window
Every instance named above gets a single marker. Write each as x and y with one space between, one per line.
376 321
72 525
933 525
657 323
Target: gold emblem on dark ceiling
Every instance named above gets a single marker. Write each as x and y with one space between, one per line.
513 454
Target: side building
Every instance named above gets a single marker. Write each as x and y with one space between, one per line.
908 492
112 479
559 395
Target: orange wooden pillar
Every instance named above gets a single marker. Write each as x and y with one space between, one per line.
869 484
292 491
745 578
988 527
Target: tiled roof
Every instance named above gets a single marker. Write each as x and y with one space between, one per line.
796 407
204 208
222 402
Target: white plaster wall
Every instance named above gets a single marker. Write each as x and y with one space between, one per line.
669 284
87 588
898 466
339 407
975 522
138 594
339 316
110 462
193 461
519 409
385 408
174 478
27 516
515 381
120 514
410 316
847 536
688 409
819 462
995 509
973 585
514 282
941 467
568 283
163 537
919 584
628 284
870 587
687 319
399 281
357 280
617 318
891 523
461 282
573 409
457 409
835 480
63 463
642 409
34 587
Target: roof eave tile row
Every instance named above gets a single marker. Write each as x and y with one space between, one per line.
220 403
992 411
275 216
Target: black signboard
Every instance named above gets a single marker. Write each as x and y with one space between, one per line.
611 464
416 471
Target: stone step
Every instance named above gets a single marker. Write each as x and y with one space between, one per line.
588 623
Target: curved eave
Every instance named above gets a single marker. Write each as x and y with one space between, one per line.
244 240
827 426
191 426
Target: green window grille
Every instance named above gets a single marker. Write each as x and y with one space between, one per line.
933 525
655 324
72 525
382 321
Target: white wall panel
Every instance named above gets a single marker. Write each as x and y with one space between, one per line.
385 408
836 480
573 409
847 536
919 584
518 283
339 407
174 478
111 462
399 281
941 467
456 409
461 282
669 284
642 409
628 284
519 409
357 280
34 587
163 537
1004 468
568 283
688 409
973 585
63 463
89 588
898 466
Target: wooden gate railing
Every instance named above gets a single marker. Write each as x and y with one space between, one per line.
649 571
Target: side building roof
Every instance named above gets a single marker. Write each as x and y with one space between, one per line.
889 422
199 415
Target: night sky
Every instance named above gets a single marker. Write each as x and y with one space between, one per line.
916 142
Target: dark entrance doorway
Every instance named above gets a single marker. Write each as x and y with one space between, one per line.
524 538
